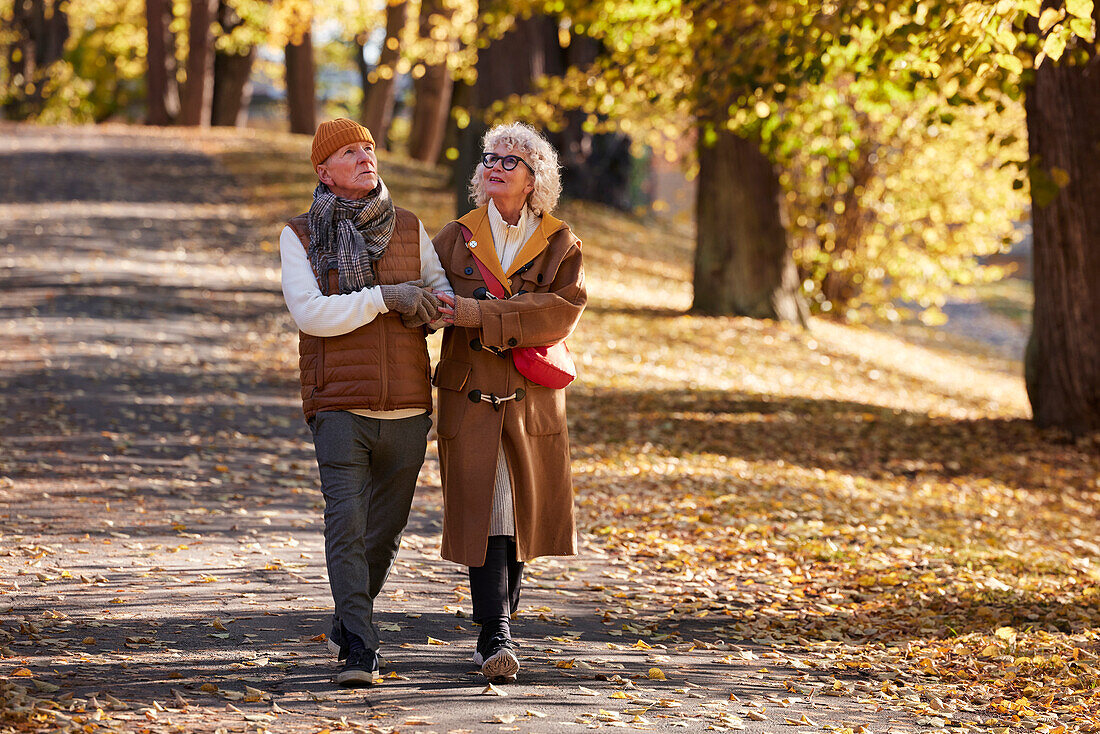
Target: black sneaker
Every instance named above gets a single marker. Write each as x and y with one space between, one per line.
337 643
361 668
498 661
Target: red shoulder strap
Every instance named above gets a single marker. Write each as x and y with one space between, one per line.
491 281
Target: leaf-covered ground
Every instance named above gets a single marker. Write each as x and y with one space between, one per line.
828 529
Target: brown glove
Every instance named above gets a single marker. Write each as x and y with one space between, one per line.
467 312
405 298
426 312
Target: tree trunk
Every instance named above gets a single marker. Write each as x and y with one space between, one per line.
198 90
433 105
364 69
1062 365
743 266
461 96
40 29
232 76
378 98
156 62
433 96
301 91
232 88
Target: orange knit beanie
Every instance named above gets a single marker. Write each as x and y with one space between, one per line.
333 135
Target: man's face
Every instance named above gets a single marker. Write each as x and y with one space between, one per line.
351 172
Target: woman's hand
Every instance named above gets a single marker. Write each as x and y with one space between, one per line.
459 311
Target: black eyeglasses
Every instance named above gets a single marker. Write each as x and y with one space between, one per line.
508 161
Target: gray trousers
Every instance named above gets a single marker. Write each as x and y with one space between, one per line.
368 473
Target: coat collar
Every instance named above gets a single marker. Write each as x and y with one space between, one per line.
477 222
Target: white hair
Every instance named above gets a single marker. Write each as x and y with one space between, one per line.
526 142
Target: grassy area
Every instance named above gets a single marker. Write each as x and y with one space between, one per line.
1012 298
875 499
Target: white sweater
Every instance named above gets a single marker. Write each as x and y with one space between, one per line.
508 239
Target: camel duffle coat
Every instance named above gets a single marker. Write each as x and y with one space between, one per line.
547 295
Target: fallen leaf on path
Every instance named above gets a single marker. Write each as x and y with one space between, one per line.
491 690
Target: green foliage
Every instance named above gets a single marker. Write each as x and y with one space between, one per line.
28 82
889 204
253 19
451 39
106 62
896 182
103 69
895 123
8 37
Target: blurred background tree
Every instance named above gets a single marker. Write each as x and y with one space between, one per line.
857 160
801 121
34 44
898 87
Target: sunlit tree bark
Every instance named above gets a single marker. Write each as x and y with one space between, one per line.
232 76
433 96
743 265
378 98
198 90
156 71
1063 354
301 90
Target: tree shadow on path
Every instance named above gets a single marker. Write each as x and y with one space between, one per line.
848 437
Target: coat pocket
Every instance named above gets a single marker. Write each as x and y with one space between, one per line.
450 377
545 410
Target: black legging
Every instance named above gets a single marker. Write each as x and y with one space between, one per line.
495 586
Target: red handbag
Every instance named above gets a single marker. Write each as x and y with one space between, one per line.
549 366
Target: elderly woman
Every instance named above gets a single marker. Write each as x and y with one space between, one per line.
503 444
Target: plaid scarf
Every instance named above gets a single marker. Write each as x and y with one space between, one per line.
349 236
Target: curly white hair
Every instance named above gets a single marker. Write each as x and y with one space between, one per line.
525 141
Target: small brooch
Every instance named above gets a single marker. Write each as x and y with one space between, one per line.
473 243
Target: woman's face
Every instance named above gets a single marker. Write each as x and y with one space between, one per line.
507 188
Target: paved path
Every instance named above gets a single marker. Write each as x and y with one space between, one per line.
161 564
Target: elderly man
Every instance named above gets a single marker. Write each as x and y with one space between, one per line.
357 275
